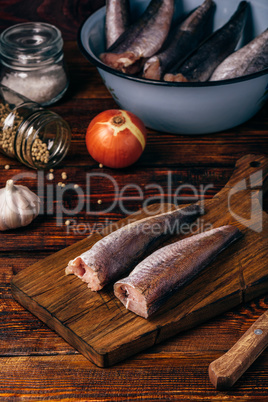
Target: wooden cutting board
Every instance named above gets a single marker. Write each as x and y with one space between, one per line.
99 326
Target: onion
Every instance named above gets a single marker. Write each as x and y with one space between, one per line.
116 138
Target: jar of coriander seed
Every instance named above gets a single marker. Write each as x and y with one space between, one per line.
37 137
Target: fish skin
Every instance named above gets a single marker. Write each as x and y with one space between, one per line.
117 19
249 59
199 66
115 254
185 38
259 63
157 277
142 39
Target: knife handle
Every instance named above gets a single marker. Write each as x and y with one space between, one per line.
228 368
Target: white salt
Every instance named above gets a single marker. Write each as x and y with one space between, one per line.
41 87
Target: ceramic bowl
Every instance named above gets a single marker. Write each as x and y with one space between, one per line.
183 108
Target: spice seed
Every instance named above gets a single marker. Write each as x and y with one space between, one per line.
7 167
50 176
7 132
100 165
99 201
76 186
67 223
40 152
64 175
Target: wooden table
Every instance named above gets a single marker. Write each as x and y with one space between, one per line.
35 363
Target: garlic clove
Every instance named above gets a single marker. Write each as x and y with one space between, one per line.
18 206
3 225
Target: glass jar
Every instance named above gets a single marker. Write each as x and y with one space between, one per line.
37 137
32 61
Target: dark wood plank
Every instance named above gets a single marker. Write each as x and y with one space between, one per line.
91 216
66 15
120 193
67 306
173 370
22 334
153 377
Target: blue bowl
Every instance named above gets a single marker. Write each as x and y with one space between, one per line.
183 108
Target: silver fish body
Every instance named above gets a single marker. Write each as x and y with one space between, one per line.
142 39
115 254
157 277
185 38
199 66
259 63
117 19
249 59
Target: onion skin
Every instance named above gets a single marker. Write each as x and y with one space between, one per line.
116 138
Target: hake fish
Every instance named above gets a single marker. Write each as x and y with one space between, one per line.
199 66
259 63
117 19
185 38
115 254
249 59
142 39
157 277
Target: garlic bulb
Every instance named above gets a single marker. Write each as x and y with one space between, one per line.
18 206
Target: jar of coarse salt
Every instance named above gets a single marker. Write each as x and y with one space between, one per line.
32 61
37 137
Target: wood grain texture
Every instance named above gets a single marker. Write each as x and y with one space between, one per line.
226 370
89 218
67 305
22 334
151 377
65 14
35 363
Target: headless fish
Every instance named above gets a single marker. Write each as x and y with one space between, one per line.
155 279
142 39
185 38
259 63
117 19
199 66
115 254
249 59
